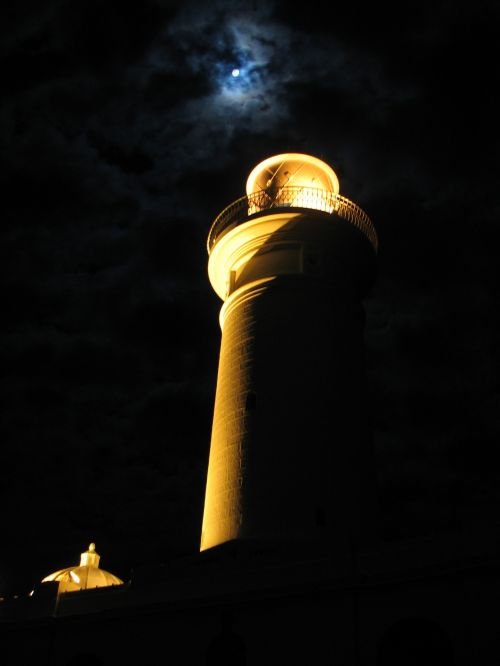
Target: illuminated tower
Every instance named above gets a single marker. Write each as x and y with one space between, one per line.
290 452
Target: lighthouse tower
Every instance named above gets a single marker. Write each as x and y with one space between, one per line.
290 449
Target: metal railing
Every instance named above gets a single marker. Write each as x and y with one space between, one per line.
291 197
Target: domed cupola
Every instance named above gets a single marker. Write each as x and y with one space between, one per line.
87 575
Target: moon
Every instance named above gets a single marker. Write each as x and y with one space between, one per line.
235 72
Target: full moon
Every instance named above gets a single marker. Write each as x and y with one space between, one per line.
235 72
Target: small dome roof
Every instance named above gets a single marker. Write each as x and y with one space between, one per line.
86 575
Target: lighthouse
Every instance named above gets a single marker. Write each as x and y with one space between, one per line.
290 453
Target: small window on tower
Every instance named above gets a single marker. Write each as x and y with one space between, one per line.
251 401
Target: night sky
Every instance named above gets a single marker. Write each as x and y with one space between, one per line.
123 134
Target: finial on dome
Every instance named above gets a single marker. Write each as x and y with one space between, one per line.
90 558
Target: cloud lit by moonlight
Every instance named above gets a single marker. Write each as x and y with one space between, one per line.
243 70
239 60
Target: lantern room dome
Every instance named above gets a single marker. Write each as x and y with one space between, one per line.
292 170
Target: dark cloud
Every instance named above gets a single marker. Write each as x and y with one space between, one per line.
123 134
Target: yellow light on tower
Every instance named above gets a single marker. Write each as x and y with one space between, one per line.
293 179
